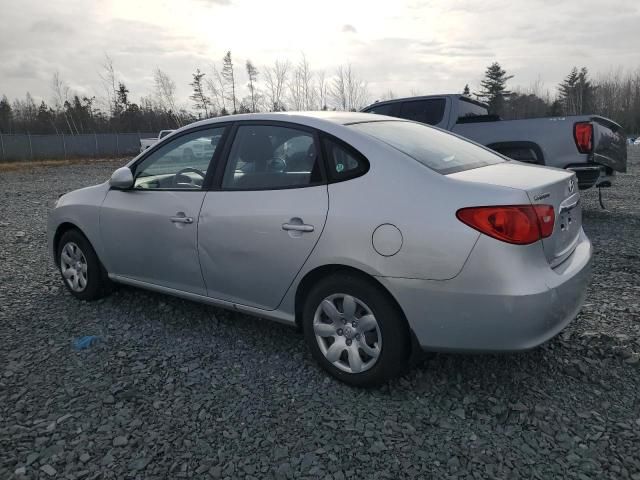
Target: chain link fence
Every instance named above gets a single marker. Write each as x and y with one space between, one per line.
26 147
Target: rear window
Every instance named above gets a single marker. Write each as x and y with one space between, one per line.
438 150
428 111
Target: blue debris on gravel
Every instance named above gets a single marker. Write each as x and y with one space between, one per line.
83 343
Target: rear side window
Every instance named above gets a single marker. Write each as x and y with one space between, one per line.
428 111
386 109
267 157
344 162
438 150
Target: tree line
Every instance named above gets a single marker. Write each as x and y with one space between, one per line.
294 85
615 96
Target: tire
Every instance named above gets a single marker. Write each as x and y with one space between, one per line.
80 269
381 345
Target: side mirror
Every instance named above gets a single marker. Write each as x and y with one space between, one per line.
121 179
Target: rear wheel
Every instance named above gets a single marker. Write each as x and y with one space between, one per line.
81 270
355 331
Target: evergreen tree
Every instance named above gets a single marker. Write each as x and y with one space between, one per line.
229 78
466 92
6 115
494 88
567 91
122 96
45 119
576 92
200 99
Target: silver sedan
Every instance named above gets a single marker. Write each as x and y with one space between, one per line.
378 237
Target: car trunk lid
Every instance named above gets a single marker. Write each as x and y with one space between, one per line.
543 186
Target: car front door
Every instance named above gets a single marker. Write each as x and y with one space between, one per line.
150 231
259 226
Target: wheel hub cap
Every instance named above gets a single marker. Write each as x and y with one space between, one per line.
347 333
73 265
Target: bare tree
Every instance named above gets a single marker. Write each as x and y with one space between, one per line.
322 90
348 91
165 94
388 95
252 72
216 87
276 79
61 98
300 86
229 78
109 84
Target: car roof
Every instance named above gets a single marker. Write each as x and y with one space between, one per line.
459 96
316 119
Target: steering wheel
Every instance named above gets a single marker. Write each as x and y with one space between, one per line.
276 165
181 173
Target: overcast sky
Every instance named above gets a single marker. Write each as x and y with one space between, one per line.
424 46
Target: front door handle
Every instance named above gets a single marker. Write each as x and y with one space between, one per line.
297 227
181 219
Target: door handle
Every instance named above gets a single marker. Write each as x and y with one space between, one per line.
297 227
187 220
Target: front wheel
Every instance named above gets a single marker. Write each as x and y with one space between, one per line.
355 331
81 270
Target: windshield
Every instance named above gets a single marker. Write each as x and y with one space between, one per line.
438 150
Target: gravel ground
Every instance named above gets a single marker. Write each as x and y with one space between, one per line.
180 390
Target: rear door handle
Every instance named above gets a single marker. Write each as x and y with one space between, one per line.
297 228
179 219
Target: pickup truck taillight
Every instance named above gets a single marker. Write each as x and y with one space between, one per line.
583 135
518 224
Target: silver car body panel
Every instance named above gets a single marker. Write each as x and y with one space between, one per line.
158 249
502 301
245 253
459 289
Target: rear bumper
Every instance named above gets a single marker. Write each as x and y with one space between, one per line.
592 175
506 298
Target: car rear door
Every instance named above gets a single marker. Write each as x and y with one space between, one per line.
149 232
261 223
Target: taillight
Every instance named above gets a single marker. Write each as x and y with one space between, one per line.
518 224
583 135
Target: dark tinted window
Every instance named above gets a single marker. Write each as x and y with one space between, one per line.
438 150
382 109
428 111
271 157
344 162
468 108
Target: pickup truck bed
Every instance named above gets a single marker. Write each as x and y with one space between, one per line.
592 146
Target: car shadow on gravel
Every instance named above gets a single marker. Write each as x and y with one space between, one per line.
264 338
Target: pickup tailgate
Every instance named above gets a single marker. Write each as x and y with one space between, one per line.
610 144
543 186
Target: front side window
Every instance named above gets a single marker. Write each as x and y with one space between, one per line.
443 152
180 164
428 111
265 157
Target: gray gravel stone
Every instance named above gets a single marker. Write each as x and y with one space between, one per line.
49 470
198 391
